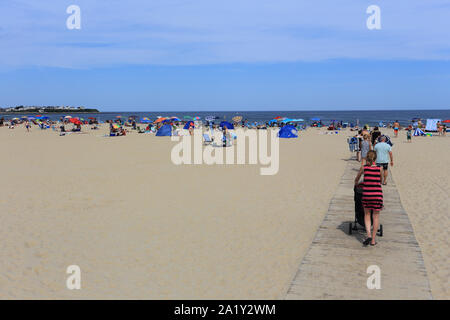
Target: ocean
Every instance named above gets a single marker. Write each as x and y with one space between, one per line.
364 117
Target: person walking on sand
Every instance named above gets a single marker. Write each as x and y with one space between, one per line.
396 128
409 133
376 133
372 198
384 154
366 146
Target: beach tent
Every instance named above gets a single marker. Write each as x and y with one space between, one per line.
432 124
292 120
288 132
189 124
164 131
418 132
226 124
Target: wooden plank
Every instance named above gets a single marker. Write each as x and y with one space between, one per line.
336 263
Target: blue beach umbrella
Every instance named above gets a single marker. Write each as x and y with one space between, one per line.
315 119
226 124
188 124
288 132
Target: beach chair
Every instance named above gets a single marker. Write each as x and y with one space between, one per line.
207 139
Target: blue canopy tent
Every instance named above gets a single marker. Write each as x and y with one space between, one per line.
288 132
226 124
164 131
188 124
292 120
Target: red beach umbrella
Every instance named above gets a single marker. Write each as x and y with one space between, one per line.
446 121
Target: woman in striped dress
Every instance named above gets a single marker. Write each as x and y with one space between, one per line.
372 198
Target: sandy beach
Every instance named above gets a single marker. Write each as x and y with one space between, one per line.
141 227
422 176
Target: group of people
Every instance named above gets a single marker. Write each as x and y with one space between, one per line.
375 155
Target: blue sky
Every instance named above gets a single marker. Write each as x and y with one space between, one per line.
225 55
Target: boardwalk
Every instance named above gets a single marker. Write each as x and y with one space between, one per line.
336 263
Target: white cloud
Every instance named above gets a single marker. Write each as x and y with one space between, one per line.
173 32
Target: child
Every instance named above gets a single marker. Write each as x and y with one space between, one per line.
408 133
372 198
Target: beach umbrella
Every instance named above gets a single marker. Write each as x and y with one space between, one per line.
446 121
226 124
161 119
75 121
237 118
118 116
67 117
315 119
116 126
196 118
145 120
175 119
277 118
189 124
297 120
187 117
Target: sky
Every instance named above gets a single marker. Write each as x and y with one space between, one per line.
180 55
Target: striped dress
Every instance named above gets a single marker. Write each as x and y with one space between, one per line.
372 197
